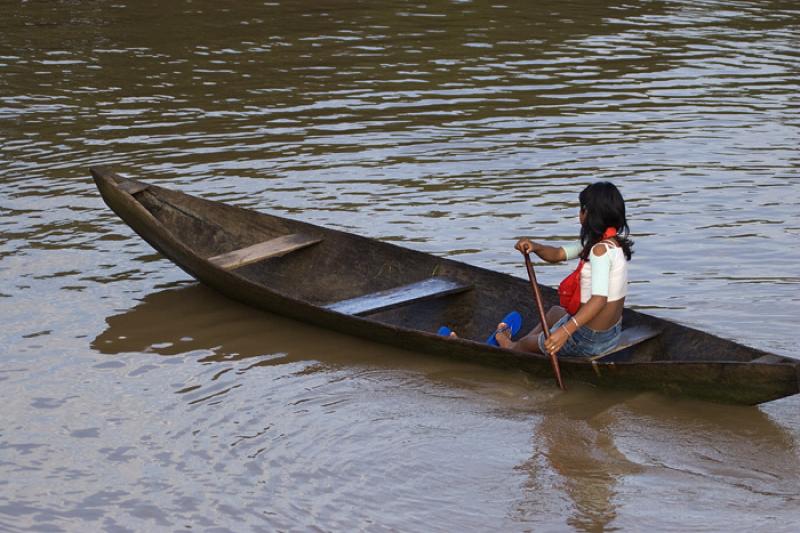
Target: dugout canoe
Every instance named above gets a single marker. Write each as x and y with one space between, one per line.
398 296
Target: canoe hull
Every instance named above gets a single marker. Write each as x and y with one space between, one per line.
729 376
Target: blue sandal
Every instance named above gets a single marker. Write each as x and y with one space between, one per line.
444 331
513 322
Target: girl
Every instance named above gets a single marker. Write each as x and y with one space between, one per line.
592 324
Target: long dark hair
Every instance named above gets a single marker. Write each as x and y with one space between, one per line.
603 207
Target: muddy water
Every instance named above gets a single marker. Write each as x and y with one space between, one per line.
133 398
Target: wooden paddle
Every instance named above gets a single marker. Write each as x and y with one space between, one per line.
545 325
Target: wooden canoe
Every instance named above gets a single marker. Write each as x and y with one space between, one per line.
399 296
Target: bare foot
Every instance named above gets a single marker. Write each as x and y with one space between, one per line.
503 336
453 335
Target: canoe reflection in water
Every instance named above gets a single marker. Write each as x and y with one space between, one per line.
601 457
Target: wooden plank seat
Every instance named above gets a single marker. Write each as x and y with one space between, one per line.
426 289
263 250
630 337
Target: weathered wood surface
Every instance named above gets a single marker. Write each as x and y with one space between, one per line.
263 250
407 294
630 337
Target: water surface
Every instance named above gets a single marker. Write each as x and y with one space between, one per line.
136 399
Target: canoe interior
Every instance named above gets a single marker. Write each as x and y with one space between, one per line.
344 266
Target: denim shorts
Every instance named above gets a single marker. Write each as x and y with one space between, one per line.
585 342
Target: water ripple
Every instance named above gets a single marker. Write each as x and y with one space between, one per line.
453 127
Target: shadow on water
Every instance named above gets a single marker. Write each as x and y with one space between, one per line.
188 319
193 319
589 445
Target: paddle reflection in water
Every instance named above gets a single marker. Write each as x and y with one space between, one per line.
601 458
605 449
575 454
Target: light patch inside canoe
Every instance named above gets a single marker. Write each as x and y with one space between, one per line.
426 289
263 250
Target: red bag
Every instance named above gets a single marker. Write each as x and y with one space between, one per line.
569 291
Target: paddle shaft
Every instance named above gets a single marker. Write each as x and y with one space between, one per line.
545 326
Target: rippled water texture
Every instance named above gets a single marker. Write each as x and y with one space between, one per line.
134 398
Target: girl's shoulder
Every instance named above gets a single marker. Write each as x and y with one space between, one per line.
601 248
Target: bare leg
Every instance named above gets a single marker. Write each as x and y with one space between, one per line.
530 342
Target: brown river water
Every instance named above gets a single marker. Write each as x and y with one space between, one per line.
132 398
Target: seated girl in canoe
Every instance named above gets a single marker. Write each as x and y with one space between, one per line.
589 320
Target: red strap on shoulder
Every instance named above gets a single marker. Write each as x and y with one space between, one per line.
610 232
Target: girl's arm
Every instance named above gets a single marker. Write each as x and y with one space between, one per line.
551 254
585 314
